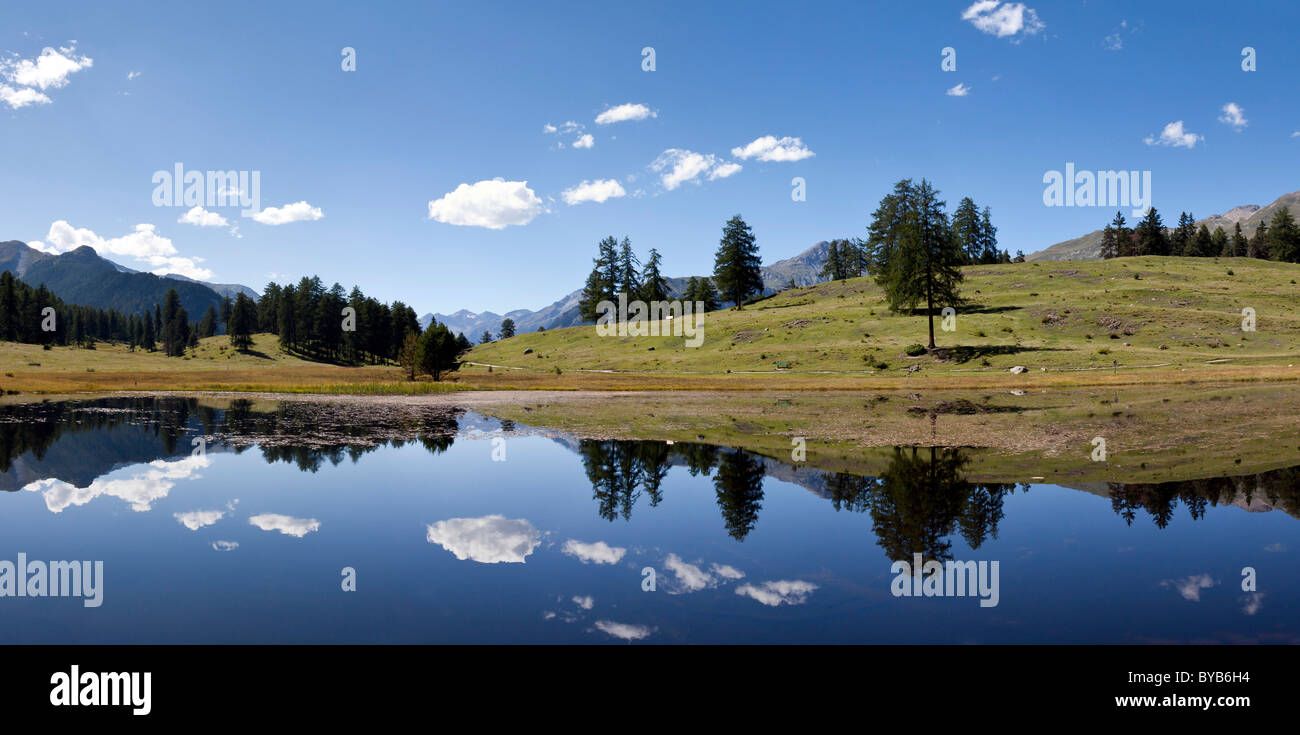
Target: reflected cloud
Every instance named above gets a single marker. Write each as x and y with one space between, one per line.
727 572
1190 587
625 631
1252 602
489 540
597 553
287 525
586 602
781 592
690 578
196 519
225 545
139 488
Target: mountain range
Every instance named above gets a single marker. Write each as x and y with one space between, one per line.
804 269
82 277
1088 247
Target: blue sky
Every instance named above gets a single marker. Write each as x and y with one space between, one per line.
446 95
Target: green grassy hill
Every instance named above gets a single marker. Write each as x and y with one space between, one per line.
1140 312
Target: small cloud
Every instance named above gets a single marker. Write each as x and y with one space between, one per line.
782 592
492 539
1174 136
770 148
196 519
50 70
201 217
597 553
1190 587
1113 42
287 525
625 631
1251 603
132 75
1277 546
1233 116
584 141
727 572
494 204
584 601
225 545
677 166
690 578
961 90
625 113
1003 20
296 212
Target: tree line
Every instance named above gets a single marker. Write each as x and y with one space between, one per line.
1277 239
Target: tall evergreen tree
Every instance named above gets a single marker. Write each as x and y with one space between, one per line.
737 270
1238 245
629 280
654 287
966 230
507 328
924 260
1284 237
1149 235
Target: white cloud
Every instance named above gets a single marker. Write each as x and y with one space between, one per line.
770 148
723 170
225 545
597 553
783 592
488 540
132 75
677 166
727 572
626 631
1190 587
594 191
21 97
1251 603
961 90
50 70
494 204
1174 135
139 488
287 525
584 141
202 218
1113 42
296 212
144 243
196 519
624 113
1233 116
585 602
1003 19
690 578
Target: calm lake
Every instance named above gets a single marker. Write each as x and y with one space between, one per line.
221 521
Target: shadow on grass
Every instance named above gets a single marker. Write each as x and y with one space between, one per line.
966 353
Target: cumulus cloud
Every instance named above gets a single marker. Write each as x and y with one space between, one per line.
196 519
676 166
1003 19
296 212
287 525
584 601
624 113
27 79
1190 587
1233 116
625 631
144 244
597 553
21 97
138 487
584 141
771 148
489 539
1174 136
594 191
494 204
961 90
781 592
201 217
690 578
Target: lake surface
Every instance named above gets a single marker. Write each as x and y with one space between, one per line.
242 522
